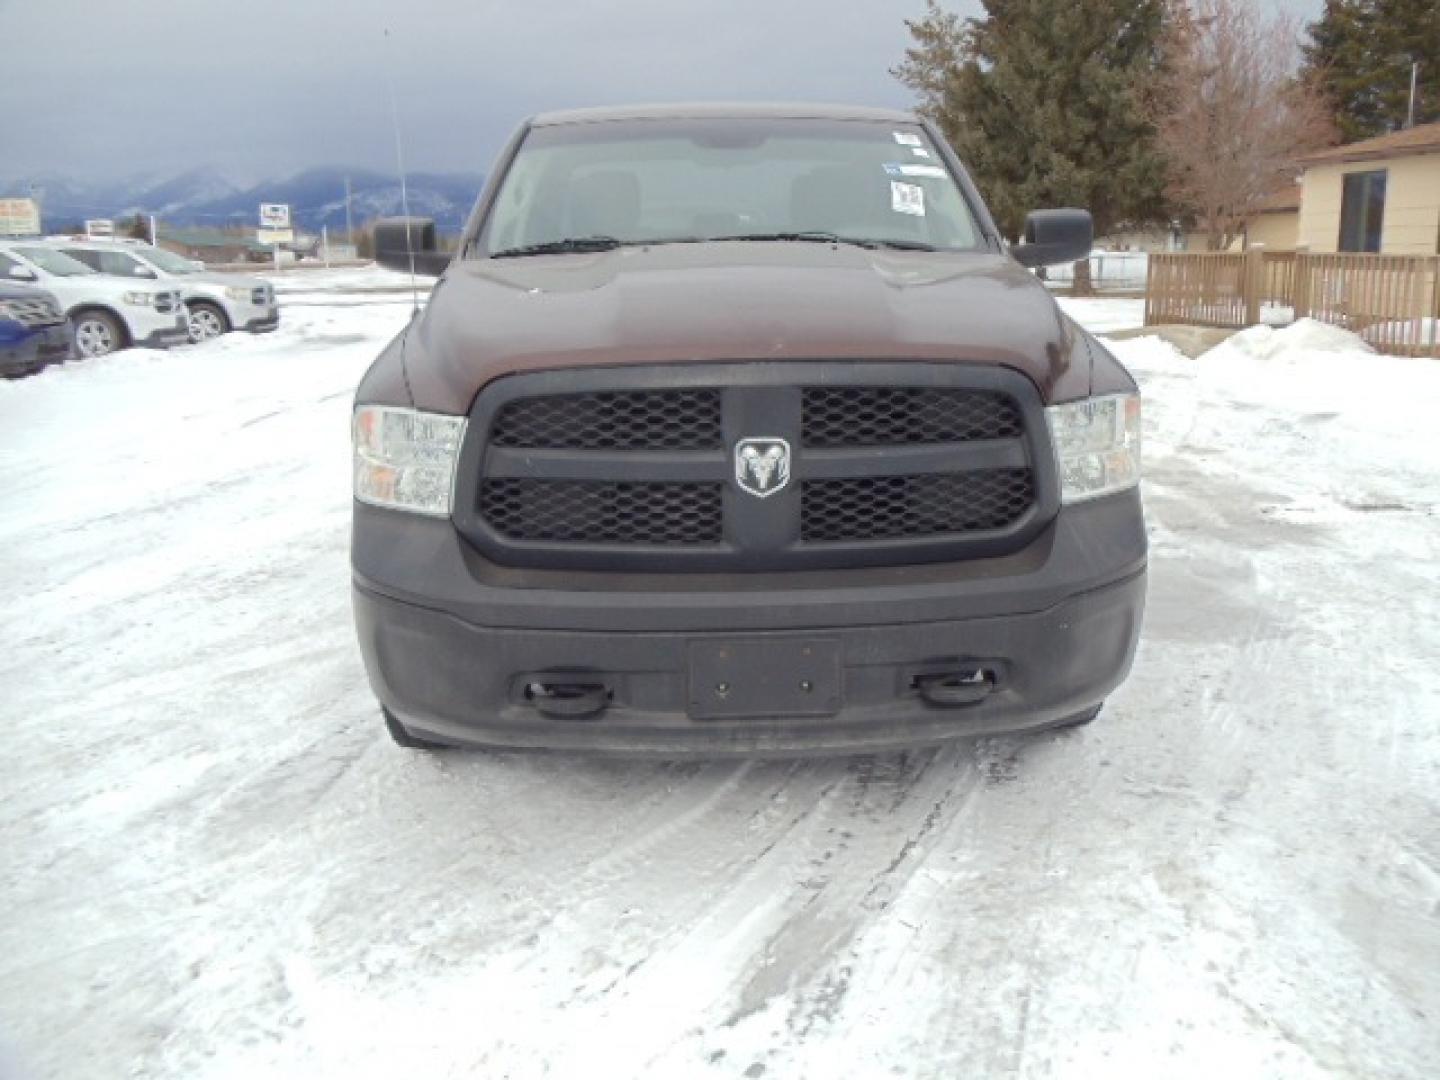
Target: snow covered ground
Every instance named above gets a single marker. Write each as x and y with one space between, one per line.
216 864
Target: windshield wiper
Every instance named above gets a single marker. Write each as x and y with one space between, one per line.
812 236
560 247
905 245
819 236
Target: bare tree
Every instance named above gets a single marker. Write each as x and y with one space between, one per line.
1235 118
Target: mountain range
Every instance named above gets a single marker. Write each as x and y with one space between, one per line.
202 196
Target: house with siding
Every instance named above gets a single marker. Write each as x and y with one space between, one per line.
1379 195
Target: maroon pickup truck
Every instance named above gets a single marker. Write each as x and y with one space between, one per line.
741 429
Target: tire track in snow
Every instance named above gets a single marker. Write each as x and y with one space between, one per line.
895 807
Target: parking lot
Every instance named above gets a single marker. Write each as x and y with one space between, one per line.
219 866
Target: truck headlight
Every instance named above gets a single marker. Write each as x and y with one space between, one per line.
139 299
405 459
1097 445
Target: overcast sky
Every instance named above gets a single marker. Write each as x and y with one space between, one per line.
261 88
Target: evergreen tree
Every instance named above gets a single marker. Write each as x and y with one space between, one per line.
1361 51
1048 104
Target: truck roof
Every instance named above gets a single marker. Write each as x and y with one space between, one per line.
713 110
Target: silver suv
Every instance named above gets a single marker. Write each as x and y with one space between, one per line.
107 314
218 303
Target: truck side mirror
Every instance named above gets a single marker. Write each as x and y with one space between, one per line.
1055 236
398 240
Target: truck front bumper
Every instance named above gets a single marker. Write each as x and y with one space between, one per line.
455 647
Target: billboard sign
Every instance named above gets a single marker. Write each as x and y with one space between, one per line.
274 216
100 229
19 217
275 236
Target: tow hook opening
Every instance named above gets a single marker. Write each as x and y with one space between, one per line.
570 699
962 685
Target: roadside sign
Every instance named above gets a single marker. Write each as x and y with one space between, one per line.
275 236
19 217
274 216
100 229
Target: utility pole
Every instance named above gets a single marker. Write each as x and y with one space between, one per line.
1414 78
349 226
153 233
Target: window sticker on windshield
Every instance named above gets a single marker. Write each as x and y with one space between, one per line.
906 138
932 171
907 198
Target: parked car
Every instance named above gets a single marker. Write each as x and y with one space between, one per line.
33 330
106 313
740 429
218 303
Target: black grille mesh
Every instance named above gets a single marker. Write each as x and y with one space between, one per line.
897 507
604 512
886 415
613 420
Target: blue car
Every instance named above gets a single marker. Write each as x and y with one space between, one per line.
33 330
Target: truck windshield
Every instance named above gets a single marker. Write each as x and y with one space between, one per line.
576 187
54 262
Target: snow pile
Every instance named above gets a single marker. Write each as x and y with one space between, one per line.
216 865
1345 425
1294 342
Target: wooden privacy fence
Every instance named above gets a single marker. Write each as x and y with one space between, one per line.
1392 301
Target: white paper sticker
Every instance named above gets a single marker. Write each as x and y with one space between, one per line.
920 151
906 138
935 172
907 198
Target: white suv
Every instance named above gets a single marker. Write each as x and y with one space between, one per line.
217 302
107 314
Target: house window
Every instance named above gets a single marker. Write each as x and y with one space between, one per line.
1362 212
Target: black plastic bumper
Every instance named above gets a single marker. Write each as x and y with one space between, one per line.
164 339
451 642
263 324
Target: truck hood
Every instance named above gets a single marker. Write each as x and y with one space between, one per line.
682 303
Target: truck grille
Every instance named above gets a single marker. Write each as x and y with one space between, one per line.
889 415
893 507
634 420
37 312
890 464
166 302
604 512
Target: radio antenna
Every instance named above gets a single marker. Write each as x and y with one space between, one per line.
400 165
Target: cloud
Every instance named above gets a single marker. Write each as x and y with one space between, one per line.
269 86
